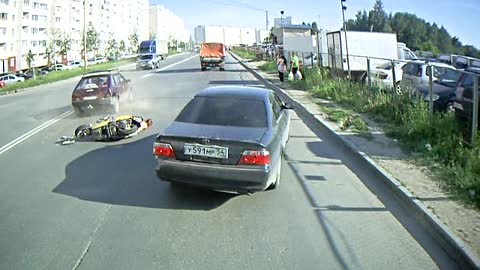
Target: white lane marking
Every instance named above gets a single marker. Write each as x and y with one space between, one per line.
177 63
32 132
169 66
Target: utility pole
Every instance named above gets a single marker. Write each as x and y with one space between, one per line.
85 60
346 39
266 19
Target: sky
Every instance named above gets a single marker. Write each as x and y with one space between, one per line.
461 18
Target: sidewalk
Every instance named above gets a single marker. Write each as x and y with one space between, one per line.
386 153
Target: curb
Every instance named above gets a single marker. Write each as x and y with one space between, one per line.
449 242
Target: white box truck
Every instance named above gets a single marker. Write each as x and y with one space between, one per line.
151 52
379 47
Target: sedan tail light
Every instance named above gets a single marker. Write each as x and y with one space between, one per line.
257 157
164 150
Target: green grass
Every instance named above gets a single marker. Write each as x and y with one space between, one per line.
172 52
438 140
64 75
246 55
347 119
269 67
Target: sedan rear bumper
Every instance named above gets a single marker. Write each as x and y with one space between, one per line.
99 103
215 176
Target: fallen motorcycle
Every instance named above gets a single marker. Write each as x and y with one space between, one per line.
109 129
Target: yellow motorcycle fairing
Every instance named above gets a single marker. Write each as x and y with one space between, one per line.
104 122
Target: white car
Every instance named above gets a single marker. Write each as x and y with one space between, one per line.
74 64
417 72
382 75
101 59
9 79
59 67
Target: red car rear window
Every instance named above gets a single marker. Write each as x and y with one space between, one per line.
93 82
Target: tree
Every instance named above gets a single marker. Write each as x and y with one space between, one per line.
93 40
378 18
314 28
172 43
63 43
415 32
112 47
30 60
360 23
133 41
122 47
49 51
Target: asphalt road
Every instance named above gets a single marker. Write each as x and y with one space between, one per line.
99 205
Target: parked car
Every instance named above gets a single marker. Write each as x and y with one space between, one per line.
26 75
463 103
382 75
227 138
9 79
101 90
57 67
45 70
74 64
101 59
443 91
92 61
417 72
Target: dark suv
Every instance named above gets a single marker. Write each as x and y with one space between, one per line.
464 95
101 90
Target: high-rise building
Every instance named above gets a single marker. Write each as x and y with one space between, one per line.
30 25
227 35
164 24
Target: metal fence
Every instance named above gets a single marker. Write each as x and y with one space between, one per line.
394 77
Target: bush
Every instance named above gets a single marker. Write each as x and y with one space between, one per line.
439 139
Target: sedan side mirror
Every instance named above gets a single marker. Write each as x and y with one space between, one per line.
287 106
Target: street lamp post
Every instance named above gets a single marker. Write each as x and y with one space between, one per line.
346 40
85 35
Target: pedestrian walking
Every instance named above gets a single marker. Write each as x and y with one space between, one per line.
295 65
282 67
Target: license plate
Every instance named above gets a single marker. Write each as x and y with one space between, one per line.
206 151
90 98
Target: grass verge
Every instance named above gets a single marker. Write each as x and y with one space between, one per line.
246 55
64 75
346 120
269 67
439 140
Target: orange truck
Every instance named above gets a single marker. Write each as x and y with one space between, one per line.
212 55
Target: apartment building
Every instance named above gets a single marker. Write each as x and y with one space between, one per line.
229 36
165 24
28 25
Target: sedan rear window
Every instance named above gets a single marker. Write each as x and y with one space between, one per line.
224 111
93 82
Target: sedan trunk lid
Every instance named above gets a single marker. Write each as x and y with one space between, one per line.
211 137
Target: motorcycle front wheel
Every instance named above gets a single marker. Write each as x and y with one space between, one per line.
83 131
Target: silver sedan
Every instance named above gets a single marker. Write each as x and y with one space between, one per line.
227 139
9 79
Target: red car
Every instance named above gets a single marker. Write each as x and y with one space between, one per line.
101 90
